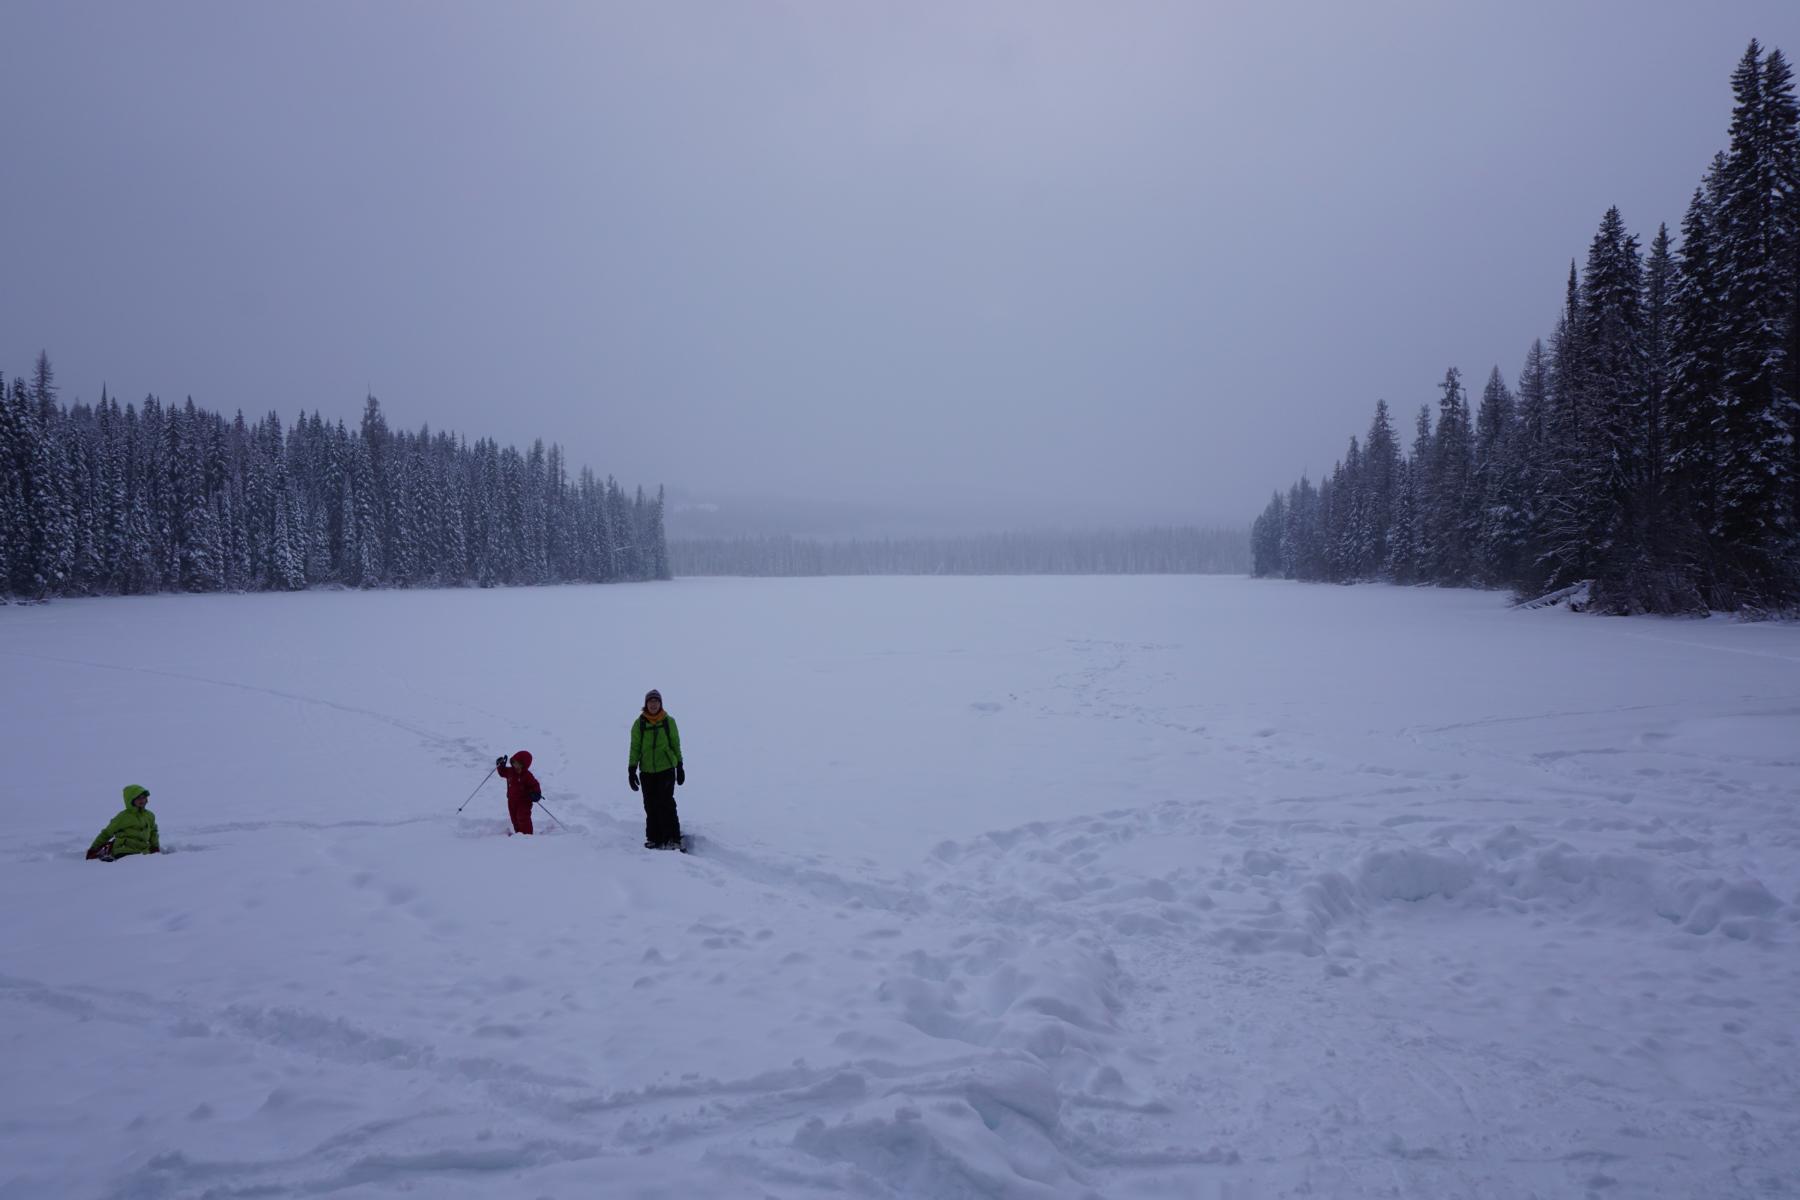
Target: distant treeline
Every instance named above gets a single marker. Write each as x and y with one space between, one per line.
1182 551
103 499
1651 448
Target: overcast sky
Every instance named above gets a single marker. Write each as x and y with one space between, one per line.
1160 256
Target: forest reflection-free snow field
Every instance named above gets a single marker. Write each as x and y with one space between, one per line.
1109 887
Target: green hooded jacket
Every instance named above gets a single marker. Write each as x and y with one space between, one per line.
655 747
132 831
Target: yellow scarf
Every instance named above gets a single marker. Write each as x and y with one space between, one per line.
657 719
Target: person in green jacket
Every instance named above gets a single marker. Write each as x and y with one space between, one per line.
656 750
131 832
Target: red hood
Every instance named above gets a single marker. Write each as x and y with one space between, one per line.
522 758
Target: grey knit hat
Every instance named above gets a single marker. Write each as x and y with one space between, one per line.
650 695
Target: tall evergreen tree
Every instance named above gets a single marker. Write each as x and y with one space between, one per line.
1697 369
287 572
1403 537
1450 507
1756 424
1613 386
1495 481
658 567
367 570
1265 539
1659 311
1564 534
1381 482
14 522
51 517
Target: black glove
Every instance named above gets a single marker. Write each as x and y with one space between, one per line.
631 777
538 799
680 774
499 762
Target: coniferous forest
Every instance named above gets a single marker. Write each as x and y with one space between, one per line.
1650 452
104 499
1185 551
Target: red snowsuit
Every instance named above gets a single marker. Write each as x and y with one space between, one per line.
522 790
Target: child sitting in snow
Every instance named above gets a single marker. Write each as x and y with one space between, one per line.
131 832
522 790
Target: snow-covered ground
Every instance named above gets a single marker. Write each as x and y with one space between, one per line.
1164 887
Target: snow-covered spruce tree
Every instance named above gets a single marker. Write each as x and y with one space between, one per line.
1381 471
640 534
620 548
82 465
109 492
1778 88
558 544
199 552
1492 420
1409 547
1671 576
1424 549
1755 231
13 527
136 567
479 512
375 499
405 551
1694 398
368 570
1565 534
1612 384
49 534
1351 516
1659 309
452 533
658 565
1449 498
286 573
513 552
1494 480
534 516
1265 539
330 487
1331 524
1310 555
318 534
170 488
1532 454
258 511
1291 536
202 550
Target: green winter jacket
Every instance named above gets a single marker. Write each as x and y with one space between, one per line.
132 831
655 747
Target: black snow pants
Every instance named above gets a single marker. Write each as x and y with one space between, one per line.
661 824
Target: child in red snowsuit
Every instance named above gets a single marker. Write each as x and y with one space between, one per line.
522 790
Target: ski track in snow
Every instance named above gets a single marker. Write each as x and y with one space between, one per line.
1498 955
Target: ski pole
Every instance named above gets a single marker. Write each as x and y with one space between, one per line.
551 815
478 787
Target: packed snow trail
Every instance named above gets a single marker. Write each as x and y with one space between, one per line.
1018 888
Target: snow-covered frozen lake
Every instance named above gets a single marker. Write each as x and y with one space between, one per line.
1171 887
